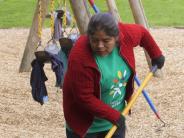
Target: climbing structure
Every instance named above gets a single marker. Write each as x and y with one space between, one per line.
82 18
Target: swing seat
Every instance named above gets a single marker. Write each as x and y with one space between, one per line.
60 13
66 45
42 56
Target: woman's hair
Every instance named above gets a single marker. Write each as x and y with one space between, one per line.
103 22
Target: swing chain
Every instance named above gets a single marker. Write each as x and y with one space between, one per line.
52 18
39 23
65 10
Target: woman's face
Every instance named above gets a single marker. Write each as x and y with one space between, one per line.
101 43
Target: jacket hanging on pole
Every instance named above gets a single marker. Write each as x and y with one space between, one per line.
37 81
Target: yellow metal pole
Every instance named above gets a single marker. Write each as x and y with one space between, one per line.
132 101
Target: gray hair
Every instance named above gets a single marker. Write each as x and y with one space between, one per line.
103 22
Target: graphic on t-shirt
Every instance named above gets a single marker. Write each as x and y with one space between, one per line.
118 83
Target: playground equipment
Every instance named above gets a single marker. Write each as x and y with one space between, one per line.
40 53
70 35
82 19
94 6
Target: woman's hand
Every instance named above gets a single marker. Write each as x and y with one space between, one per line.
159 62
120 132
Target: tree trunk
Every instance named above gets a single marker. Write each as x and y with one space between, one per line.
113 9
80 14
33 39
140 18
87 8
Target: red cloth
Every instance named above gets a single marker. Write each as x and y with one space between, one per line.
81 90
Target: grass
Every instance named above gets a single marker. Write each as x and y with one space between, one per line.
16 13
19 13
165 12
158 12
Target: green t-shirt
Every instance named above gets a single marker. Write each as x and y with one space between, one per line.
114 76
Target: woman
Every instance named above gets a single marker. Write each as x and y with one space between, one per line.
100 75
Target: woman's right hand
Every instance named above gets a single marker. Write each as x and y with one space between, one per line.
120 131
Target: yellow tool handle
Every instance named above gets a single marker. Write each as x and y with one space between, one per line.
132 101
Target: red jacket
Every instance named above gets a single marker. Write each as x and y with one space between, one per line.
81 89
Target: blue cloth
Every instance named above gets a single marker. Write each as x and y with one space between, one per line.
37 81
57 67
64 59
38 77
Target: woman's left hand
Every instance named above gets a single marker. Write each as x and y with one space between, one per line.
159 62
